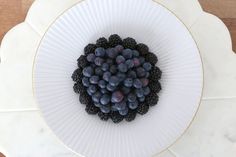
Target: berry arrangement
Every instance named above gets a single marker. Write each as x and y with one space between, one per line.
117 79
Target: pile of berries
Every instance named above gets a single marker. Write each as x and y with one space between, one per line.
117 79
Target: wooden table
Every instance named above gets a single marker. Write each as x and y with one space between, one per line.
13 12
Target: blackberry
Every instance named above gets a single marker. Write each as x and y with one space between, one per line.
77 75
155 74
91 109
82 61
78 88
152 99
155 86
129 43
84 98
115 40
131 115
151 58
103 116
143 108
116 117
90 48
102 42
142 48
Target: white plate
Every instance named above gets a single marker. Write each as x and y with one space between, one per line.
147 22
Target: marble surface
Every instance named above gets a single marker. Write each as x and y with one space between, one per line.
23 132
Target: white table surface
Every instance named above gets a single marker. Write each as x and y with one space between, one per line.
23 133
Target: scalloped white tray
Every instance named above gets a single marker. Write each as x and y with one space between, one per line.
213 132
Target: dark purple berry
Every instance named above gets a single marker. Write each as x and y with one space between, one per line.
96 97
82 61
117 97
132 74
124 112
91 109
142 108
123 67
102 84
98 61
90 48
132 97
127 53
120 59
147 66
98 71
114 81
125 90
105 66
133 105
103 116
105 99
113 69
106 76
144 81
114 40
140 72
102 42
142 48
136 62
129 43
77 75
135 53
146 91
116 117
105 109
88 71
152 99
94 79
128 82
85 82
91 57
129 63
131 115
110 88
151 58
139 92
119 48
137 83
100 52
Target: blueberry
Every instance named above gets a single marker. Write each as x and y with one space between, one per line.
85 81
125 90
111 53
97 104
141 99
88 71
146 91
129 63
92 89
123 67
121 105
121 76
106 76
94 79
142 60
111 88
119 48
102 84
105 66
109 61
144 81
113 69
124 112
91 57
89 92
135 53
98 61
100 52
105 99
114 108
147 74
114 81
139 92
127 53
131 97
96 97
120 59
147 66
98 71
136 62
104 91
140 72
105 109
133 105
132 74
128 82
117 97
137 83
93 65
